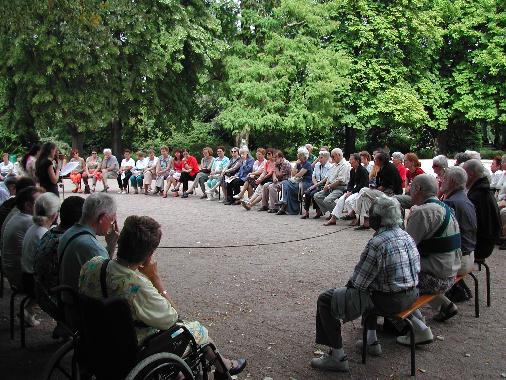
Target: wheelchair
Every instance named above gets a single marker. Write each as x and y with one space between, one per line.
104 346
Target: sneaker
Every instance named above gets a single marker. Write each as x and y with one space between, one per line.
446 313
120 192
104 190
373 349
236 196
421 337
221 200
328 363
136 191
263 208
246 205
210 196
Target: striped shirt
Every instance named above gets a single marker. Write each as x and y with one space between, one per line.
389 263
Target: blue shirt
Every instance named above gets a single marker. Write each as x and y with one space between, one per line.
306 178
246 168
79 251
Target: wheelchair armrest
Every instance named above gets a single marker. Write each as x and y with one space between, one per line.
174 340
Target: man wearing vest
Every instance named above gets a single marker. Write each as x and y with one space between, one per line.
436 233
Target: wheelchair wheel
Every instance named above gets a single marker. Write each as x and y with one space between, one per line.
161 366
62 364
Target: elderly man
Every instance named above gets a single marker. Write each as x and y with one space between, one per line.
385 279
335 184
453 186
436 233
487 212
388 181
79 243
109 168
359 178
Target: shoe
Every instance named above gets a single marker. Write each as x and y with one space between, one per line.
164 195
347 217
74 190
124 192
273 211
263 208
246 205
156 191
210 195
136 191
355 222
328 217
236 196
175 195
318 215
203 196
330 222
373 349
237 369
227 203
361 228
446 313
174 190
421 337
185 195
104 190
221 200
281 212
237 203
120 191
305 216
328 363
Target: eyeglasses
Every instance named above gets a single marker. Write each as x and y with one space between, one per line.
93 152
233 151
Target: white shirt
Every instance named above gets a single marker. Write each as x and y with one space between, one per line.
140 165
497 179
6 168
127 163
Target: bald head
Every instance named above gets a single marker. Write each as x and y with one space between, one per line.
423 187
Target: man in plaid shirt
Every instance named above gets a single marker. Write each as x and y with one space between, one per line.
384 279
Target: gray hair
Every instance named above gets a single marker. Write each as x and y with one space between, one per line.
46 207
244 150
475 166
440 161
95 205
473 154
324 153
107 151
397 156
426 185
303 150
458 175
337 151
388 209
308 146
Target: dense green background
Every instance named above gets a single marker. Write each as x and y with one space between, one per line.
415 75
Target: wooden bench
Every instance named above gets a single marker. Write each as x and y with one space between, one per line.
405 314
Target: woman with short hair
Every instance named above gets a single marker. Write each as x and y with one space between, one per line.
92 165
202 176
189 171
265 179
150 171
133 276
176 167
234 183
125 171
397 159
220 163
257 170
78 173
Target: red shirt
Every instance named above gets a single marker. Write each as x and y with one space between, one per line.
178 165
402 172
192 162
410 175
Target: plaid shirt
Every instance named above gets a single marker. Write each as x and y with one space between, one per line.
389 263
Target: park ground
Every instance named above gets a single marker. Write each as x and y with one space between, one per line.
258 301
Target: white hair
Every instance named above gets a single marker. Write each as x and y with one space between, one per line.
308 146
475 166
388 209
336 151
46 207
244 150
303 150
324 153
95 205
397 156
426 185
458 175
107 151
440 161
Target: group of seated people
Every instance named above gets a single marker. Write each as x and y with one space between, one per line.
36 257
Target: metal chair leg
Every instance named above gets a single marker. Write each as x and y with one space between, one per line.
412 345
22 320
1 279
476 295
364 339
487 278
11 313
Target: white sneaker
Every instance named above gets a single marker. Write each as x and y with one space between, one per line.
120 191
374 349
328 363
236 196
421 337
123 192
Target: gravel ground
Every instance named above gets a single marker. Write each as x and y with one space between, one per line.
259 301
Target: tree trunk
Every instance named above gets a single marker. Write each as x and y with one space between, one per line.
441 142
77 138
350 140
116 146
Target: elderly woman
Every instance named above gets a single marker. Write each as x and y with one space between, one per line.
397 159
281 172
202 176
78 173
137 178
174 173
109 168
163 170
301 177
47 173
234 183
150 171
256 172
320 172
45 212
93 164
133 275
263 180
189 171
439 165
413 167
228 173
125 171
220 164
